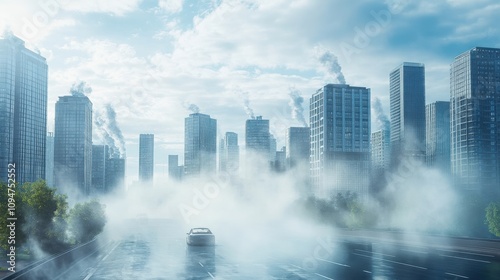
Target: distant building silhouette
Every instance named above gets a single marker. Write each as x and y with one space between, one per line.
279 164
340 140
437 118
200 145
407 97
229 153
146 157
108 173
73 143
175 171
298 146
115 174
100 154
23 113
475 121
381 150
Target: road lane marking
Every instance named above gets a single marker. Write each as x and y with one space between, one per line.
467 253
411 265
210 275
375 253
456 275
341 264
326 277
366 271
200 264
467 259
105 257
73 265
298 267
93 270
413 251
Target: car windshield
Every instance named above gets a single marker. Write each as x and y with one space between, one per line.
200 231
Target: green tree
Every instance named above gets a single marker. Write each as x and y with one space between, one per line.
86 220
493 218
44 216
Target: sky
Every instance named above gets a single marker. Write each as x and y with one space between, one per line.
150 60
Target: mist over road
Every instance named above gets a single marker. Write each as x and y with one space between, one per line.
156 249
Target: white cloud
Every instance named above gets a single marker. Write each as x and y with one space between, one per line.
114 7
260 47
171 6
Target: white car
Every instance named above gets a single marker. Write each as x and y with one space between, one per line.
200 237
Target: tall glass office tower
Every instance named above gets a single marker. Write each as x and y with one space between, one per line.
407 98
73 143
437 117
23 110
257 136
146 157
298 146
475 121
200 144
340 140
229 153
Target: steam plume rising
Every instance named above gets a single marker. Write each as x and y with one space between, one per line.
193 108
296 104
330 61
246 105
80 89
109 132
381 118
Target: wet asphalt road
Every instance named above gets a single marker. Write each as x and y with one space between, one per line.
157 250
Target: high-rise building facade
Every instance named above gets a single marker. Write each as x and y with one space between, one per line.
73 143
114 174
200 145
146 157
340 140
23 110
100 155
257 136
437 135
475 121
49 159
407 105
229 153
174 170
108 172
381 151
298 146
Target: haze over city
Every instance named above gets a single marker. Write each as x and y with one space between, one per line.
240 139
151 59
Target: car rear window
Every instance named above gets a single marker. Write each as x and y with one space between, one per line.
200 230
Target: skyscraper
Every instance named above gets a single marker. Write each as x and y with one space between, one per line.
257 136
108 172
229 153
73 143
23 110
174 170
114 174
100 155
340 140
407 98
437 118
273 146
475 121
49 160
146 157
298 146
200 144
381 151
